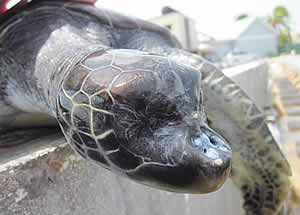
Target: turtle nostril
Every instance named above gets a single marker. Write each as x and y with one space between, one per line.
214 140
201 141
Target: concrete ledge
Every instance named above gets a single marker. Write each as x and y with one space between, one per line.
46 177
60 182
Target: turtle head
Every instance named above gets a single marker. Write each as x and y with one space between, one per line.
142 115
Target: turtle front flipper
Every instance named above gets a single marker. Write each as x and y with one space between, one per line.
259 168
140 115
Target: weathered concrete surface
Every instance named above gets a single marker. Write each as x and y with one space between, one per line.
62 183
46 177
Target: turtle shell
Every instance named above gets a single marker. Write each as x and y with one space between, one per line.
10 7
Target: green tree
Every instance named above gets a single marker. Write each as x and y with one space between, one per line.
280 21
242 16
281 12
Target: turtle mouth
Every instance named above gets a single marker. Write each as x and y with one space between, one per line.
187 162
183 178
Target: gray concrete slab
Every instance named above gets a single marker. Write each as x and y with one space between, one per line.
62 183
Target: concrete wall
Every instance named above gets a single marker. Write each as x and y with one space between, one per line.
253 77
45 177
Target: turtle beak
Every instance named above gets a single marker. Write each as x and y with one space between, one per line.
202 163
211 156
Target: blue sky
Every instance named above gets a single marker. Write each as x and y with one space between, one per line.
209 14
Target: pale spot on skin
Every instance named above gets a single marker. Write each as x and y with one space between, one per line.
196 116
218 162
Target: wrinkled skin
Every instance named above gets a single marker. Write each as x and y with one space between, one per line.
138 114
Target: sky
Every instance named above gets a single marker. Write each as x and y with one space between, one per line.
208 14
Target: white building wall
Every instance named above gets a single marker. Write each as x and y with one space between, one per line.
175 22
182 27
258 39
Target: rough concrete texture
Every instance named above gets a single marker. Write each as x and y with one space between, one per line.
45 177
62 183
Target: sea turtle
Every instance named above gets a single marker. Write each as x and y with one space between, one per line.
129 98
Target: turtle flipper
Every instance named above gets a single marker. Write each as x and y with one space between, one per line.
260 170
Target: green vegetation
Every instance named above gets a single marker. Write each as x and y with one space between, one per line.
280 21
242 16
287 49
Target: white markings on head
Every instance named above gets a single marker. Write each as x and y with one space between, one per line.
104 134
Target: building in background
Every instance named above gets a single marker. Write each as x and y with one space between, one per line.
251 36
181 26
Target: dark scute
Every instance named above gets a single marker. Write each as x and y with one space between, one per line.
126 121
88 141
102 122
98 59
164 109
96 156
136 90
76 138
100 79
124 159
64 107
74 79
131 60
81 118
64 101
191 81
102 101
81 98
109 143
